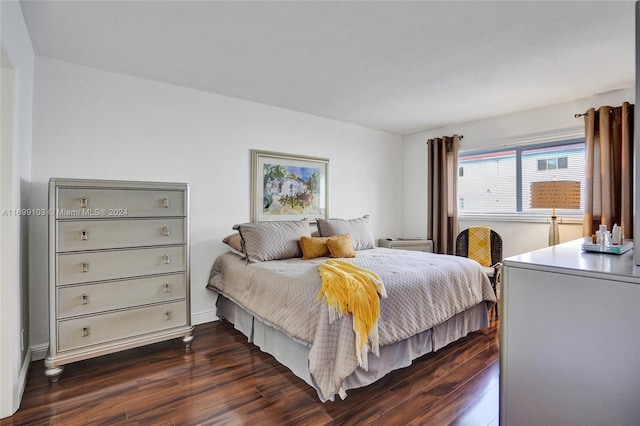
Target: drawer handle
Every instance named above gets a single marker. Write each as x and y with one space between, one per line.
167 315
84 235
85 331
167 287
84 298
165 231
83 202
84 266
165 202
166 259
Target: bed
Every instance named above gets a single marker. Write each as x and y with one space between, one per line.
432 300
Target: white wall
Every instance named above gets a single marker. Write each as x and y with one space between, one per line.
15 170
542 124
95 124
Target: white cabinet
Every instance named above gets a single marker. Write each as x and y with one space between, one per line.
570 338
118 267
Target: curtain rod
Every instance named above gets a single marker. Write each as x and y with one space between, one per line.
460 137
611 110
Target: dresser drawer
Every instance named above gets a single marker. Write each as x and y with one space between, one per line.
75 268
123 203
91 330
75 300
106 234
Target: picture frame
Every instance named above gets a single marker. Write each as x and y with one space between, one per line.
288 187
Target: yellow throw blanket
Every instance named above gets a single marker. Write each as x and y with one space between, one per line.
350 289
480 244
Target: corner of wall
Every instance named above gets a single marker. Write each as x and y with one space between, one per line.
15 144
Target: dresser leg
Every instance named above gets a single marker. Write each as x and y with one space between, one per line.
53 373
187 341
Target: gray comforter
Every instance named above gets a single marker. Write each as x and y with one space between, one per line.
423 290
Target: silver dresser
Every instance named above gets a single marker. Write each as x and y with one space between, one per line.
118 268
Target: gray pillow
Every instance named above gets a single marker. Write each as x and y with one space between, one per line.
273 240
358 229
234 241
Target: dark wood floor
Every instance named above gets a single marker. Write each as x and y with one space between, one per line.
225 380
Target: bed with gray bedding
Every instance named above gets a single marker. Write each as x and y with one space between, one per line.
432 300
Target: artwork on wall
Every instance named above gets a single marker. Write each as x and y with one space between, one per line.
288 187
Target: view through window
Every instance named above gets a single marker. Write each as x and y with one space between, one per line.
499 181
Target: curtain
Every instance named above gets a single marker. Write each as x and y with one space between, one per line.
609 158
442 198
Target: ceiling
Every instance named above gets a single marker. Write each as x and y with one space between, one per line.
397 66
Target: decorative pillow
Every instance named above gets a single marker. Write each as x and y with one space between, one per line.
341 246
480 244
234 241
272 240
358 229
313 247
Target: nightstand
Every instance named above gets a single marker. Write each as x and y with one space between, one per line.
406 244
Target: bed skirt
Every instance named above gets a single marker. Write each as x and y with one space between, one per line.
294 354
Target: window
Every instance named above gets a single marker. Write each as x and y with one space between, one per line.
563 162
553 163
499 181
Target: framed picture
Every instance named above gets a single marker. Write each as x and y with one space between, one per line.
288 187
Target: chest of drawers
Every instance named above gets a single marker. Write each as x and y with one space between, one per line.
118 268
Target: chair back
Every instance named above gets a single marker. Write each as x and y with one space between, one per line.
462 245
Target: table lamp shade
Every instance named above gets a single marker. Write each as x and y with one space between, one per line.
556 194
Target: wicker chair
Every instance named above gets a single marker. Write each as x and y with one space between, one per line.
493 272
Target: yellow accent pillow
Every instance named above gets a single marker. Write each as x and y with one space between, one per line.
341 246
480 244
313 247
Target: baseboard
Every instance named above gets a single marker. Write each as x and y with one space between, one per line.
204 317
39 352
24 373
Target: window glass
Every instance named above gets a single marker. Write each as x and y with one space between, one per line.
573 160
489 183
499 181
563 162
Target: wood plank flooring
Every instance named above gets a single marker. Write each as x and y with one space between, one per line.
225 380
